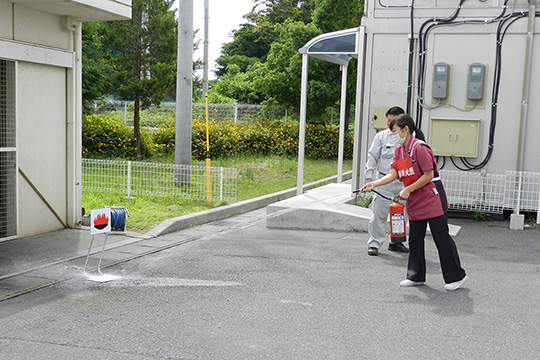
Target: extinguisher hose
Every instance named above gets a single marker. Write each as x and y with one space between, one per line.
396 198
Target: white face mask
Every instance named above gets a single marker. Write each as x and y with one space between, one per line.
397 139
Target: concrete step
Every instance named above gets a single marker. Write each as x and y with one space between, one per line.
327 208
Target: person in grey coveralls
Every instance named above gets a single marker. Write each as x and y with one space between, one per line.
378 163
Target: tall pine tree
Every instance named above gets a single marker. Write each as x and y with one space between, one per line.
144 51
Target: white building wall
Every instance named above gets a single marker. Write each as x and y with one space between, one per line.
6 25
41 146
41 113
36 27
44 40
387 48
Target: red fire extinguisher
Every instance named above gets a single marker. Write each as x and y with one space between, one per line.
398 228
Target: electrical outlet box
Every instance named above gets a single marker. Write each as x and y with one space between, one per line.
378 119
454 137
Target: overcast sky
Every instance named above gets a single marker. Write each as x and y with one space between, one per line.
224 17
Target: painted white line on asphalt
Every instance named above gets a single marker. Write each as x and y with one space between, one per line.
171 282
285 301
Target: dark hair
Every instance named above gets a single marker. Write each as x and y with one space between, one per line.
406 120
395 110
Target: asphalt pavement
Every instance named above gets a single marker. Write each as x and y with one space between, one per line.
234 289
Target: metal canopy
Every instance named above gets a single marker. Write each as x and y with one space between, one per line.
339 48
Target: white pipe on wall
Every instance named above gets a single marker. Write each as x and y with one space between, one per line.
74 127
526 86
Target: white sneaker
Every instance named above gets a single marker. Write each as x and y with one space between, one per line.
455 285
408 283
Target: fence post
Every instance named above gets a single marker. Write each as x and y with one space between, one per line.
128 195
518 203
221 184
235 112
125 112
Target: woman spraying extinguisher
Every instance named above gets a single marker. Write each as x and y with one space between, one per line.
415 166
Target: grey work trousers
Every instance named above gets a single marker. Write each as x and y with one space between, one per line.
378 225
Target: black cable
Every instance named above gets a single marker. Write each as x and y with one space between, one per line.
422 35
501 32
456 165
443 160
494 97
505 21
496 84
422 48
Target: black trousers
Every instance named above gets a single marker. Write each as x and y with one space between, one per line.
448 255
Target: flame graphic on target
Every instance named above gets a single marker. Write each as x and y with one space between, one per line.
101 221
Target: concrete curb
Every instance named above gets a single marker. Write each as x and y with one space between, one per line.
223 212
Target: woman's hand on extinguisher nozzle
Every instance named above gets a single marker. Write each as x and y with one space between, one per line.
404 194
368 187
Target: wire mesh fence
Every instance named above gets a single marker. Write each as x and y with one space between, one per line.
469 191
474 191
522 191
217 112
132 178
493 193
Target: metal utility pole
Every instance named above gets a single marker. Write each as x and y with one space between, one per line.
205 68
184 91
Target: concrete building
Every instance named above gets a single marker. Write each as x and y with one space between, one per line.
463 70
41 111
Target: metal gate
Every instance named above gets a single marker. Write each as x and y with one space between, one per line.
8 165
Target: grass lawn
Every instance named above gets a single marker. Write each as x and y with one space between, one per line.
258 176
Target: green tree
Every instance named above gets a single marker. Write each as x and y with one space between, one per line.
251 43
276 74
277 11
144 51
279 78
97 66
239 85
334 15
255 37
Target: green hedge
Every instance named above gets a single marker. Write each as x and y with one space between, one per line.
105 136
108 137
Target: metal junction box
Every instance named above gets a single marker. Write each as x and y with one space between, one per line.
454 137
